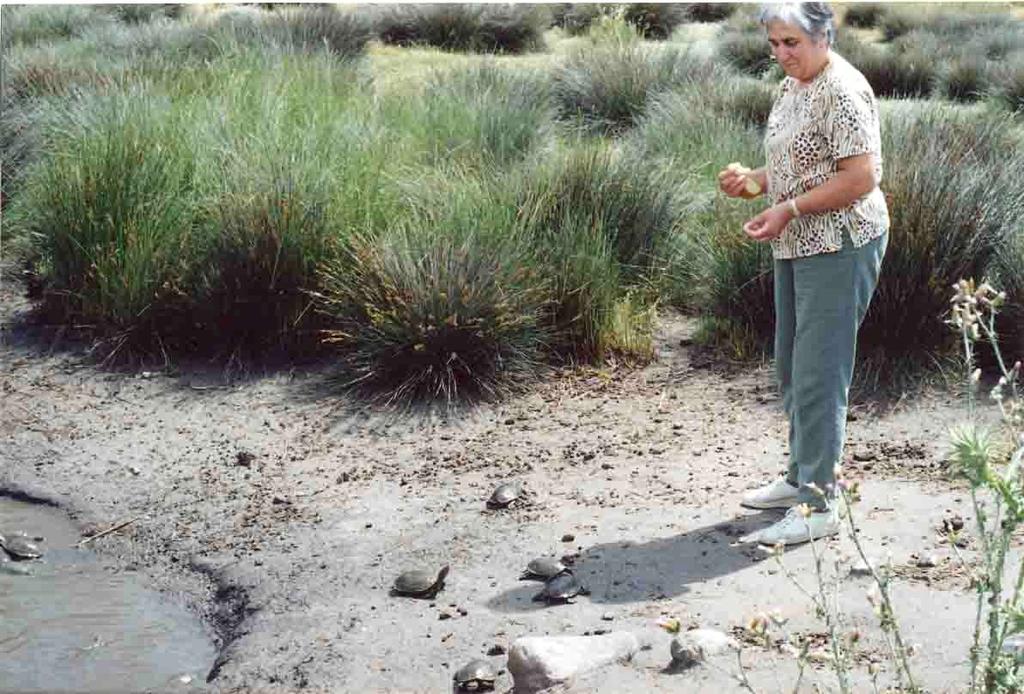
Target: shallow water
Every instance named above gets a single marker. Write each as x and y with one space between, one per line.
75 624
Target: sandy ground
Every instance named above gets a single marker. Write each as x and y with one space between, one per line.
282 514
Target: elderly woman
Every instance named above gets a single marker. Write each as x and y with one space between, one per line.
827 225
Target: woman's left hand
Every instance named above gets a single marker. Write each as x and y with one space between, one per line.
769 224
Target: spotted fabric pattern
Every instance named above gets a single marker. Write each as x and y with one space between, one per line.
812 127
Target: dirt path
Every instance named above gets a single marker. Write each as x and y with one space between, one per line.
283 515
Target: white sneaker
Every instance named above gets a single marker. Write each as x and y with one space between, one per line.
794 528
777 494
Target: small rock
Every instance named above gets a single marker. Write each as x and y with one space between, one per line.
462 610
185 679
496 649
244 458
607 616
864 456
539 662
444 615
695 646
929 561
134 470
568 537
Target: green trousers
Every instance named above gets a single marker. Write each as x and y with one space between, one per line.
820 302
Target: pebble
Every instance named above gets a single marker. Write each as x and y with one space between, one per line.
496 649
568 537
607 616
928 561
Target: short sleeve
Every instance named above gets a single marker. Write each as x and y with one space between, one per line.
851 124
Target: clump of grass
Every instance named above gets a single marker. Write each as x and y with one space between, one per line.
935 155
24 25
576 18
746 50
693 133
655 20
313 28
709 11
865 15
435 310
110 211
143 12
482 116
1008 273
907 70
463 27
595 219
965 78
605 87
1008 79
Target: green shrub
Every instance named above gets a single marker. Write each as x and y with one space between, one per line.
606 87
576 18
143 12
446 309
709 11
1008 80
110 218
692 134
30 24
1008 275
952 206
595 219
482 116
908 70
864 15
655 20
747 51
965 78
313 28
461 27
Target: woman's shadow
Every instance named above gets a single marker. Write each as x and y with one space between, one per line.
625 572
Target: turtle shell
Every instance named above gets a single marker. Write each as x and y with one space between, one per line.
561 588
544 568
475 675
419 583
504 494
20 546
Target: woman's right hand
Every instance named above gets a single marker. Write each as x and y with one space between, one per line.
737 181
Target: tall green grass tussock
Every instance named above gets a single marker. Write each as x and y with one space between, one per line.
485 117
953 208
745 50
864 15
605 87
24 25
595 220
435 310
464 27
110 213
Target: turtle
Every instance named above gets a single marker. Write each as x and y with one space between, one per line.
20 546
504 495
419 583
561 588
476 675
543 568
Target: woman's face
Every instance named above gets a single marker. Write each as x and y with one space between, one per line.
799 55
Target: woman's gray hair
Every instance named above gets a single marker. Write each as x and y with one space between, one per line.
815 18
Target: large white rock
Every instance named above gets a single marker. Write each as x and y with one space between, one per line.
695 646
538 662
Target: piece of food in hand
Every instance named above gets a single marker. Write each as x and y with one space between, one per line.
751 188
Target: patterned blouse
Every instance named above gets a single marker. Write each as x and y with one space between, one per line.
810 128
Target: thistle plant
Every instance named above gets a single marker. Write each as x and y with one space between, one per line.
989 459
